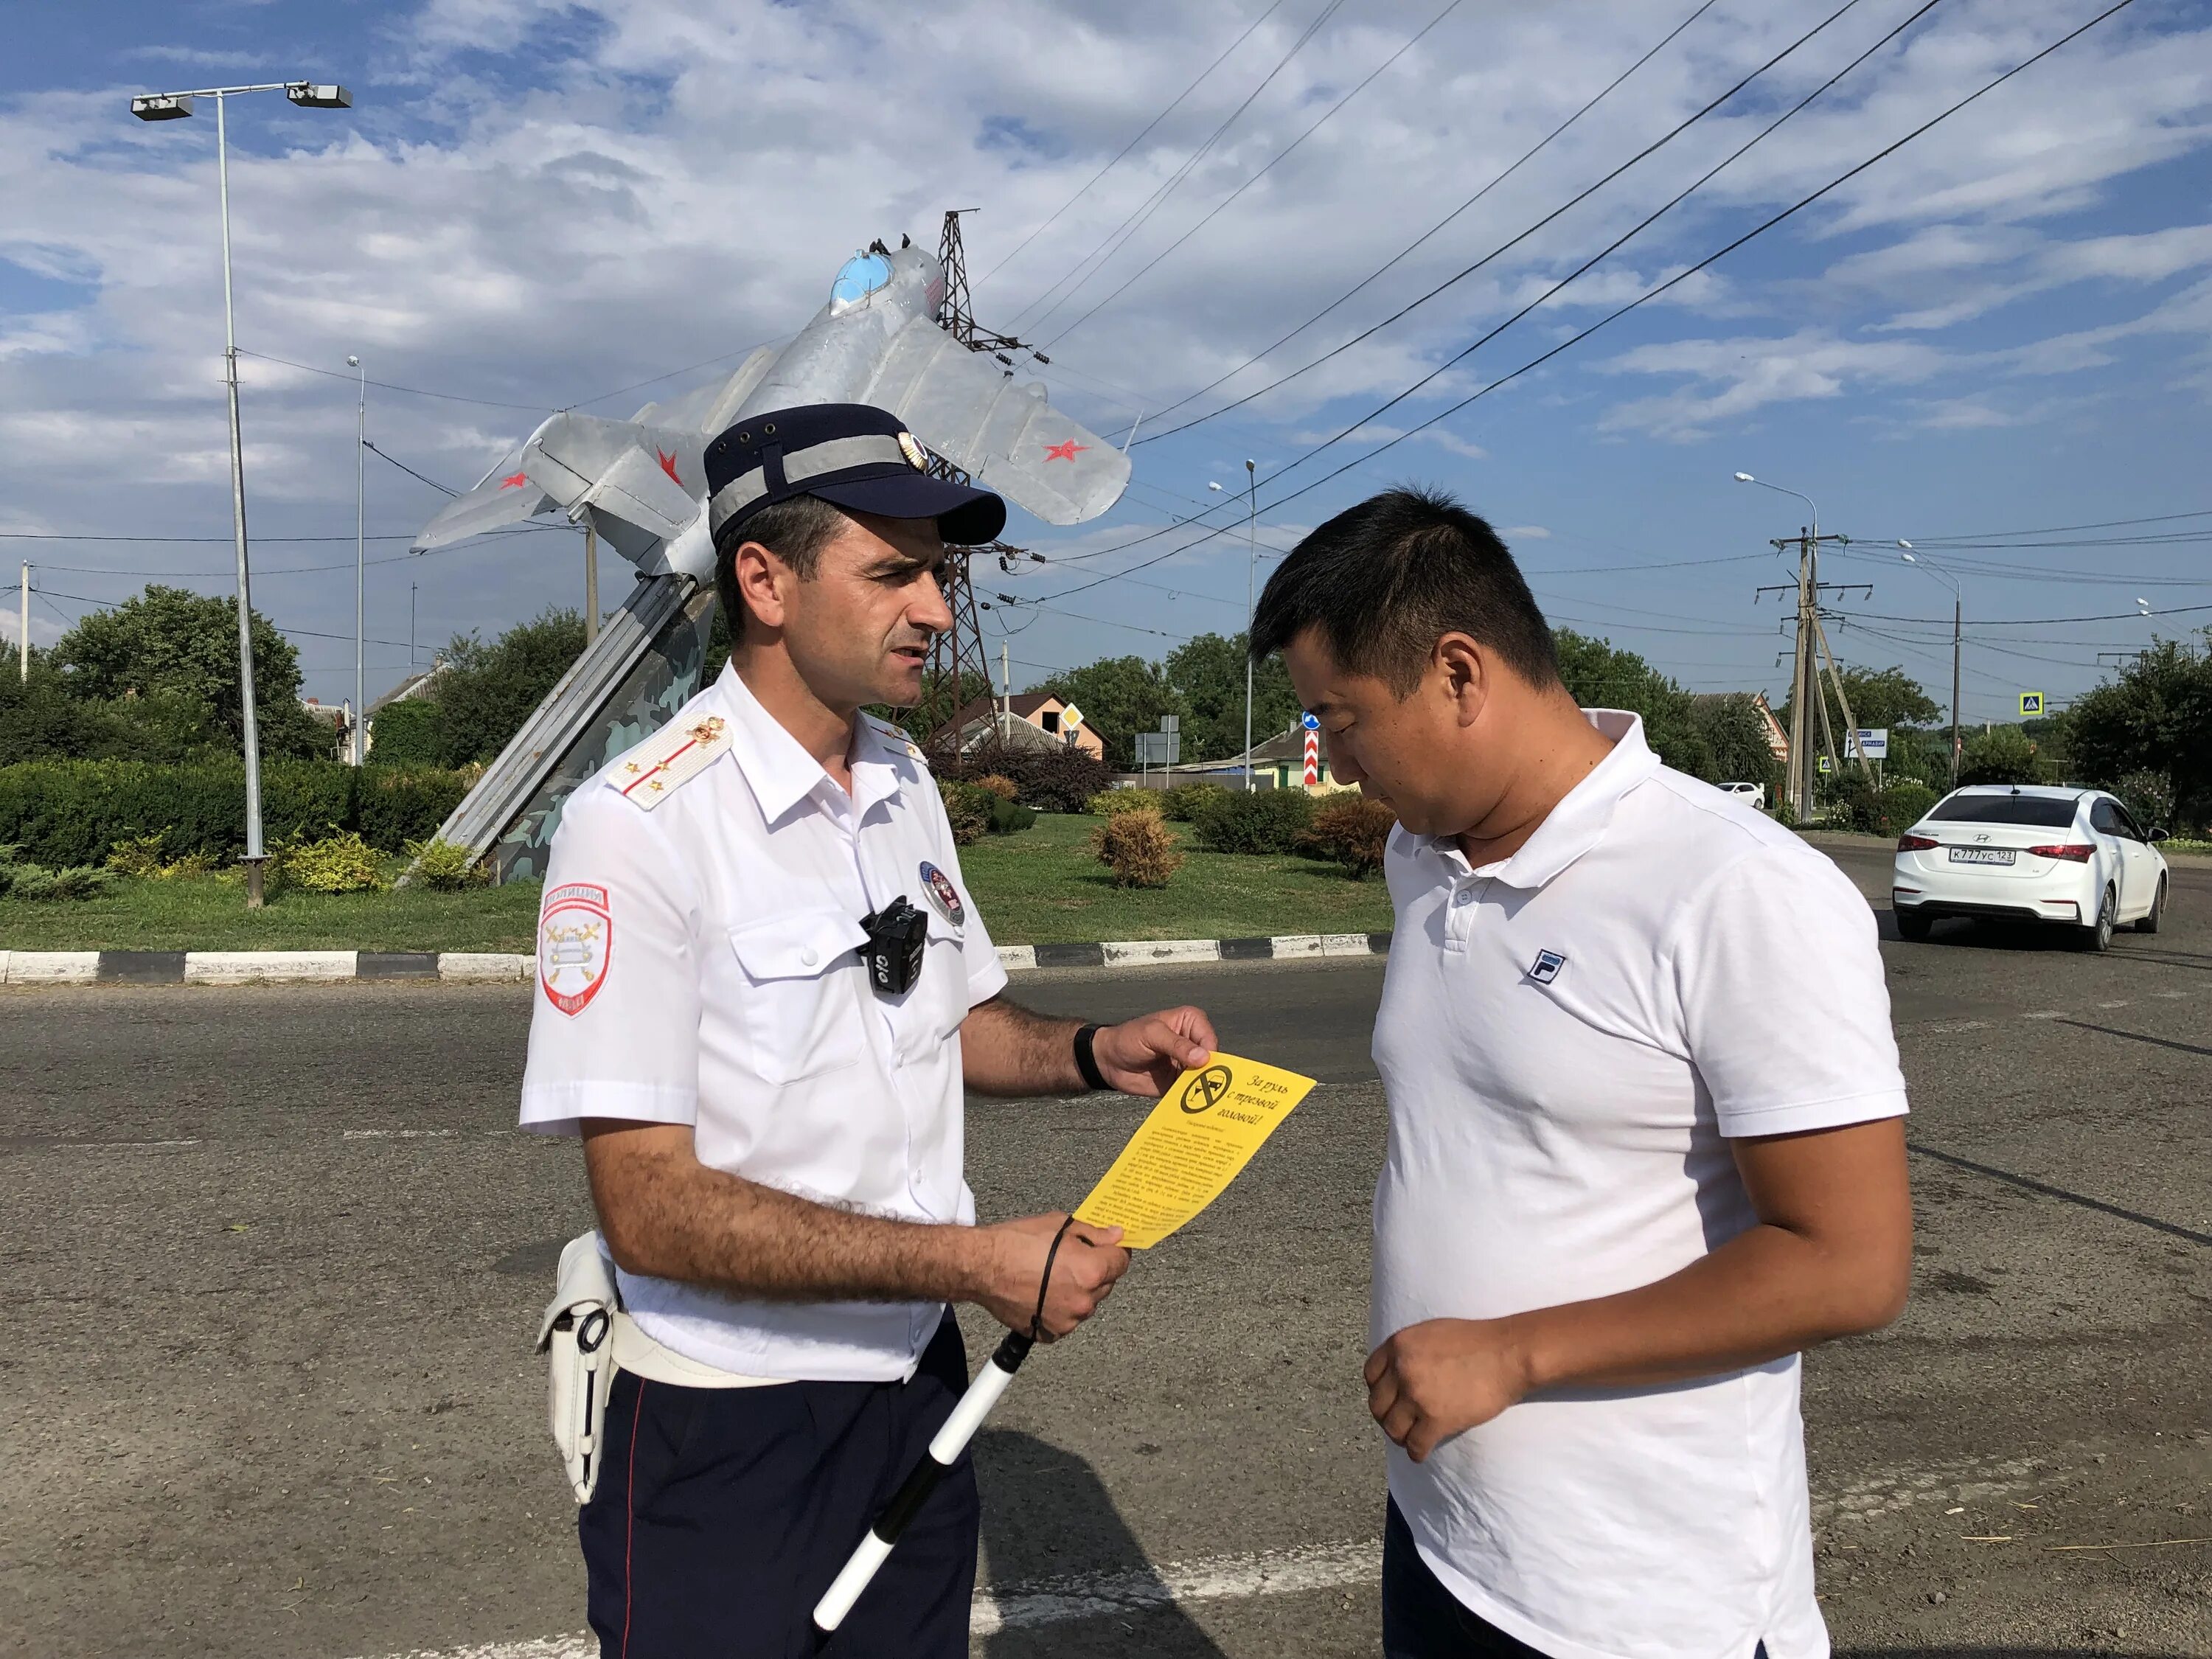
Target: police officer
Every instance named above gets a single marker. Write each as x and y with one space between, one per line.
763 987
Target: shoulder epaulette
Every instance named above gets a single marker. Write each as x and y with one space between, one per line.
670 758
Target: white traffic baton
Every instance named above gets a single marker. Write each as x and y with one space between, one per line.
913 1492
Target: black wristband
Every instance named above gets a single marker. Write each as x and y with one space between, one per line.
1087 1063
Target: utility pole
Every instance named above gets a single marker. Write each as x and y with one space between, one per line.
412 588
250 730
1251 566
359 562
1803 782
590 579
1006 686
23 623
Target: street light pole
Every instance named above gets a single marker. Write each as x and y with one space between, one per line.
170 107
360 565
1958 610
1251 569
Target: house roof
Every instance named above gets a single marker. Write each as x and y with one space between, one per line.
981 709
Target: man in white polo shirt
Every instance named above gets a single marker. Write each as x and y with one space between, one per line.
1645 1140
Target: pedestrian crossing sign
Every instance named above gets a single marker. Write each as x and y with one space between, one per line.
2031 704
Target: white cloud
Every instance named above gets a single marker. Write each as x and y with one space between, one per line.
1526 532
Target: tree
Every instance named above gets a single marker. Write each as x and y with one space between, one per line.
1206 676
1734 733
1120 696
410 732
1602 676
2003 754
2154 715
178 649
487 691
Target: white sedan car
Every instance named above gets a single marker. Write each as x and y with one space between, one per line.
2025 852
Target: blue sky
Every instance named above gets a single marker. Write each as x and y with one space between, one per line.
2003 326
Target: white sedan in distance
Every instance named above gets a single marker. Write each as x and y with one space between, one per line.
2027 853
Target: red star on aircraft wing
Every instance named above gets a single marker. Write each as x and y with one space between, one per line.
514 483
668 463
1066 452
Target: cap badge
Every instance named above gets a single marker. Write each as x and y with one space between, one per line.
910 446
943 895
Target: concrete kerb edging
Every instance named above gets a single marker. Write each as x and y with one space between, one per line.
491 967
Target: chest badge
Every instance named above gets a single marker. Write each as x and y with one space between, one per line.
944 896
1546 966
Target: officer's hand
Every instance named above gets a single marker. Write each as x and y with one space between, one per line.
1443 1377
1142 1056
1091 1259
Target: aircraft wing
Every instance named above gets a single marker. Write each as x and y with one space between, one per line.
503 495
1003 435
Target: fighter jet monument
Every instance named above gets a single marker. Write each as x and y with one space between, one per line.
881 339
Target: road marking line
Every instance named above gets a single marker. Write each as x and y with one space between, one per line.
1078 1595
2046 1013
397 1135
117 1146
2122 1003
1277 1572
1946 1027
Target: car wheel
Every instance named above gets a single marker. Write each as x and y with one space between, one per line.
1911 925
2099 935
2147 922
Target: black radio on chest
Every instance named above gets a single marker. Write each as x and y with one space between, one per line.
897 935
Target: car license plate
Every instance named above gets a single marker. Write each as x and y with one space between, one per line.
1982 855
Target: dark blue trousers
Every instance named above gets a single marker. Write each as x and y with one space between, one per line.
722 1515
1422 1619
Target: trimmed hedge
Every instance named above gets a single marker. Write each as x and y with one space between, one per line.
1268 821
60 813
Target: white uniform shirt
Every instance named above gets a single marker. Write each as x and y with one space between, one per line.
1567 1039
727 994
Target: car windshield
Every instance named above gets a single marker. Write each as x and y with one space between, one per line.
2039 812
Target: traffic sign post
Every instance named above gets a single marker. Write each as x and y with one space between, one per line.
2031 704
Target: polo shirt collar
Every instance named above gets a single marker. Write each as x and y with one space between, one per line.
1578 822
779 768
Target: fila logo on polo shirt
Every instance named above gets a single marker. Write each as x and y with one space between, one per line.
1546 966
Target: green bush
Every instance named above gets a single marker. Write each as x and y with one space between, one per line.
2149 796
66 813
1107 802
444 867
1268 821
411 732
1354 831
1009 819
1901 804
35 884
1182 802
968 808
340 862
394 807
1050 780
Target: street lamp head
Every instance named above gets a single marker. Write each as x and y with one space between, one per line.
1907 546
307 95
1249 465
162 106
1745 477
1907 556
2142 604
352 361
1210 484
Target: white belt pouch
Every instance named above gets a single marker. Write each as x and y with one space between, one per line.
577 1338
587 1338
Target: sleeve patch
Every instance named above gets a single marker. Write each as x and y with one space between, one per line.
576 945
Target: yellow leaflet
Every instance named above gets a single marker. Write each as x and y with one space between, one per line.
1205 1129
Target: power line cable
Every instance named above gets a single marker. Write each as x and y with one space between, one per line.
369 444
1613 316
1092 263
2055 529
1527 155
1504 248
1450 7
1612 246
1176 103
389 386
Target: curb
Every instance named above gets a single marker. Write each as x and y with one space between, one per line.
488 967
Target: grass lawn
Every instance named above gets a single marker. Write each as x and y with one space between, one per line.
1039 887
204 914
1043 886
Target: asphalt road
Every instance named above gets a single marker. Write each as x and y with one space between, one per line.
276 1256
